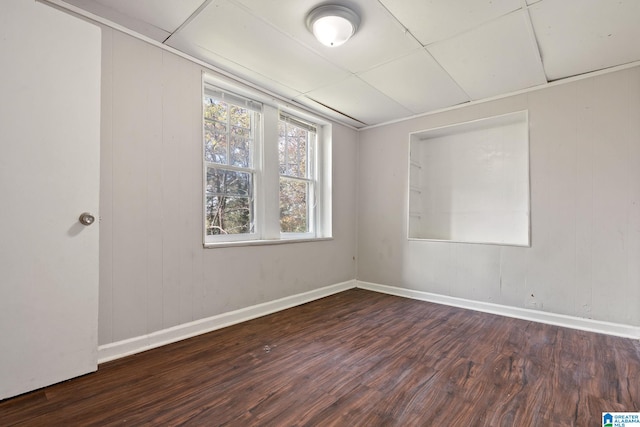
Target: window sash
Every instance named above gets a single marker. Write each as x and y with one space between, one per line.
309 155
232 98
309 177
309 208
287 118
232 136
245 163
217 186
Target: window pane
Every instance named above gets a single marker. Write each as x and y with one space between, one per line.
228 215
228 183
215 142
282 145
292 149
293 206
215 110
298 152
240 147
228 133
229 206
240 117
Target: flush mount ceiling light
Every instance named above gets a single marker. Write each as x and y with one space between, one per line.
332 24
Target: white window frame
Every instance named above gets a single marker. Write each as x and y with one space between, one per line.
266 180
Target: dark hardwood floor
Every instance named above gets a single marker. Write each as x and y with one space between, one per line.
357 358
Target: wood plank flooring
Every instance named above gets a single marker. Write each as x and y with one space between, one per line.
357 358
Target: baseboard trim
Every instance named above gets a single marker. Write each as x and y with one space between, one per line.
142 343
617 329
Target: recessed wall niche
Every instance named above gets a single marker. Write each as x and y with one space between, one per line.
469 182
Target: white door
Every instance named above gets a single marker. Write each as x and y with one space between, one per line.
49 175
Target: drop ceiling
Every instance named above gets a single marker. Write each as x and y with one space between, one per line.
408 57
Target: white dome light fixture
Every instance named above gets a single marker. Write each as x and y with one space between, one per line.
333 24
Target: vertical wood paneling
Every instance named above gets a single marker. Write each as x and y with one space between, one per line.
514 271
442 262
105 309
553 161
137 112
192 255
173 123
191 206
153 140
190 195
584 219
180 99
477 272
611 192
633 255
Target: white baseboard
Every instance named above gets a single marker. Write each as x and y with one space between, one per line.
138 344
617 329
134 345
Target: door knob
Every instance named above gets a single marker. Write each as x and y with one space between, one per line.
86 218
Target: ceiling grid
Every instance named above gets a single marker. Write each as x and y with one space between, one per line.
408 57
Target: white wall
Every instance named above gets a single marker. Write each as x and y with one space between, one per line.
585 207
154 272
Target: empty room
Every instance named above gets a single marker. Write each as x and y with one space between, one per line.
320 213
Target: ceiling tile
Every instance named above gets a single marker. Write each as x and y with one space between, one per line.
417 82
231 32
140 27
234 71
498 57
327 112
357 99
379 38
165 14
577 36
156 19
435 20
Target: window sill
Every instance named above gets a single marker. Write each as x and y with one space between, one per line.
216 245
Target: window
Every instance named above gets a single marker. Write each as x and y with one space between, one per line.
266 172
